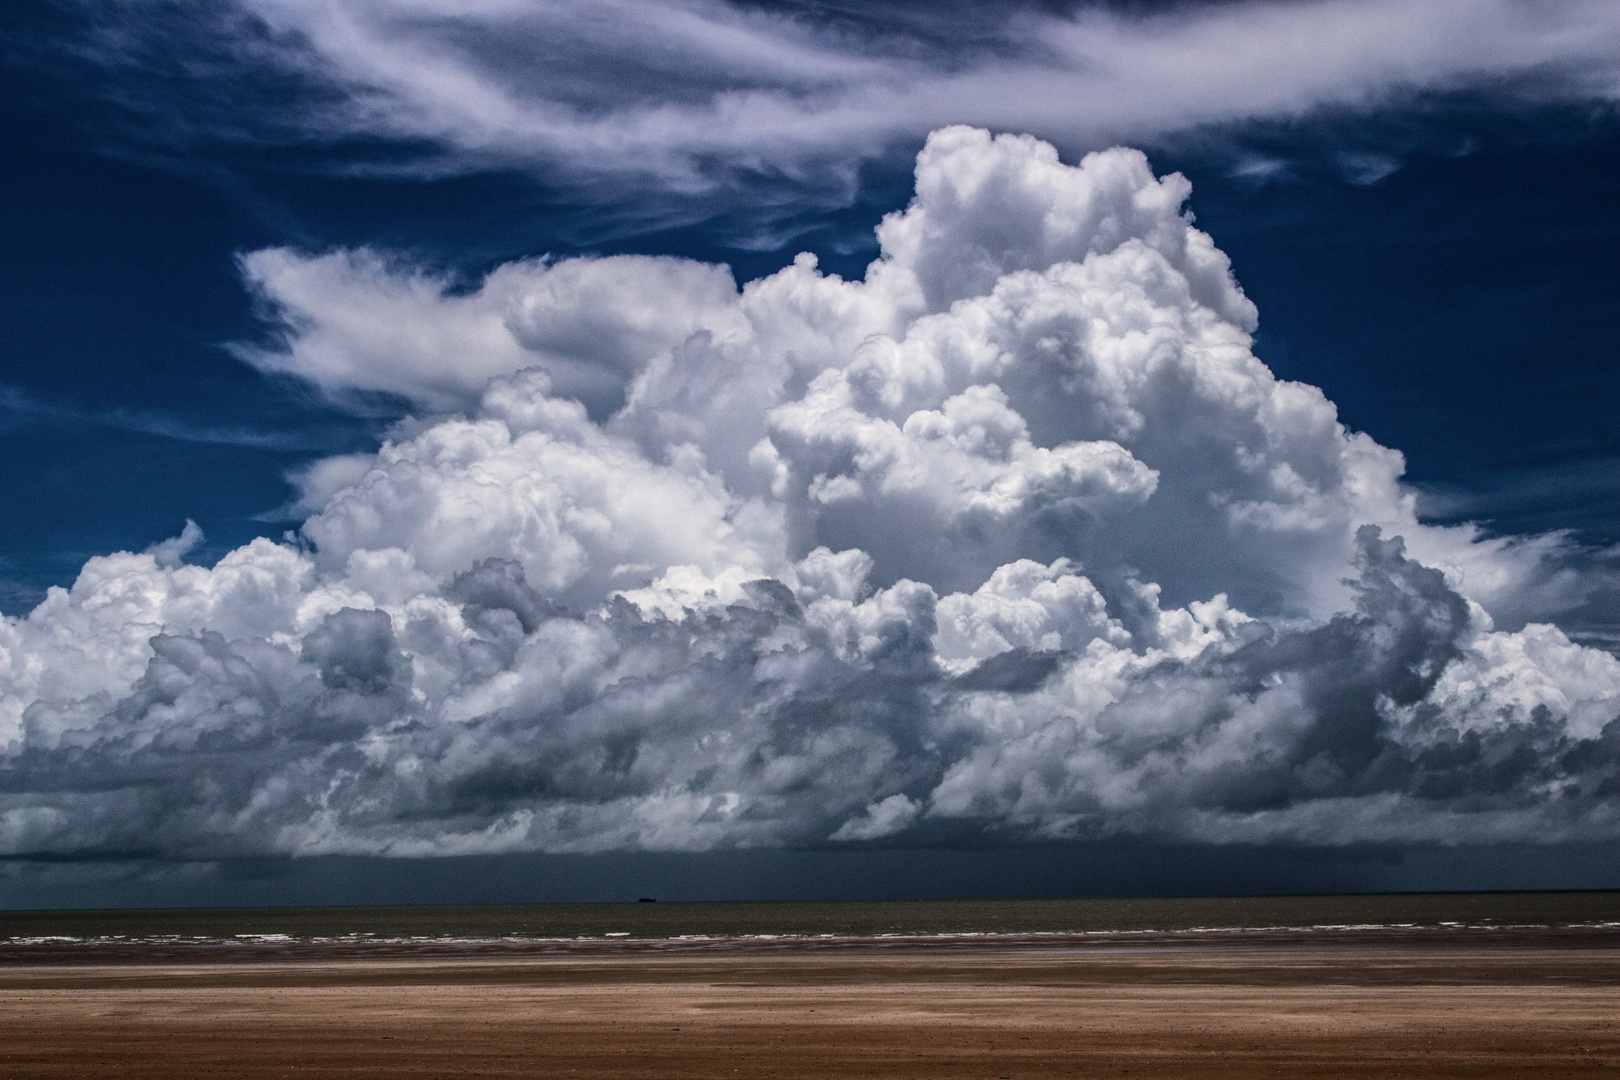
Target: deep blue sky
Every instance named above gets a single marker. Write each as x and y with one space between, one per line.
1459 308
1428 230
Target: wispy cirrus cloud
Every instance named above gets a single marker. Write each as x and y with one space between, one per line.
20 406
688 95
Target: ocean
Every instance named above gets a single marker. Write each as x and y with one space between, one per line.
231 933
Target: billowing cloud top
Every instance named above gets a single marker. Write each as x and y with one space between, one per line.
1013 539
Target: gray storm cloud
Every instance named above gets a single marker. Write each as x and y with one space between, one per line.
1013 539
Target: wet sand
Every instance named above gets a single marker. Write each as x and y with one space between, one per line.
1201 1009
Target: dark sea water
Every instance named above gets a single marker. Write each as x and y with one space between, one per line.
232 933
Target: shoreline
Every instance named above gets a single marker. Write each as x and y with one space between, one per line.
360 948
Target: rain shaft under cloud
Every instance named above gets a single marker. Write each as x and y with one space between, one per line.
1014 539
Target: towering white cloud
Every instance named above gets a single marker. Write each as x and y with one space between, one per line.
1014 538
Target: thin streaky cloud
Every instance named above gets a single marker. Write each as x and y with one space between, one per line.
687 94
23 404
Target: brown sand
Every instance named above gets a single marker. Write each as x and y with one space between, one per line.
1182 1011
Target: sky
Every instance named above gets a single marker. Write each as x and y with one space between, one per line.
515 450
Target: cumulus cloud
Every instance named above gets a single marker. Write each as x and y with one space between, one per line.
1012 539
693 93
172 551
357 321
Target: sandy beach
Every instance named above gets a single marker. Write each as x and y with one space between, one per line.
1219 1009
